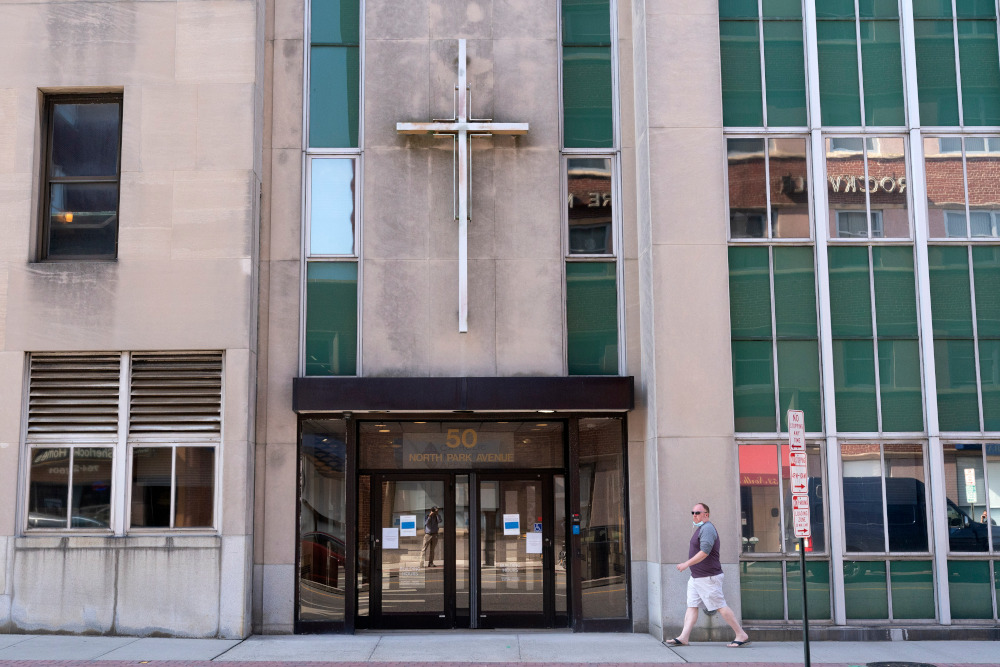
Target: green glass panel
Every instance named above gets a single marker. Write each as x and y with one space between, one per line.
586 22
865 594
969 588
878 9
882 65
895 293
794 292
850 293
335 22
835 9
753 386
587 97
951 298
932 9
840 97
798 381
937 87
989 378
958 403
996 579
899 385
334 96
785 73
817 589
742 104
854 384
986 272
782 9
592 318
331 318
982 9
761 591
912 589
738 9
980 60
749 293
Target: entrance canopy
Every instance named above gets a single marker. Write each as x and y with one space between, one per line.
486 394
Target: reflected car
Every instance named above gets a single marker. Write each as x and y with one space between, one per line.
39 520
323 557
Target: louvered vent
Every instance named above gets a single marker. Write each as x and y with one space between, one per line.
179 393
73 395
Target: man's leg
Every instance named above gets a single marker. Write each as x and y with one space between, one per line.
690 618
427 547
433 545
729 617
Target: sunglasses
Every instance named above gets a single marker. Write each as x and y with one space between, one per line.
693 513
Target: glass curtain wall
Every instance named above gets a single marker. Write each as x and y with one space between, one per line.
878 182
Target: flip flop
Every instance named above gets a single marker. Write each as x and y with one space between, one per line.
674 642
736 644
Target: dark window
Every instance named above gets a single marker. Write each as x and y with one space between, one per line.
81 179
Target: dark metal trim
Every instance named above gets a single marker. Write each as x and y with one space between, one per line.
332 394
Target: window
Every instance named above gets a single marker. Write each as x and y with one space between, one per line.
332 225
82 151
591 267
768 188
885 510
334 73
845 70
973 97
587 74
774 96
774 284
962 198
172 407
590 157
867 187
876 352
331 333
964 280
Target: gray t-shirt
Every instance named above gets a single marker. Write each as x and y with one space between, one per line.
707 537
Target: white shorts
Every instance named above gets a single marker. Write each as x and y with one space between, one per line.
706 592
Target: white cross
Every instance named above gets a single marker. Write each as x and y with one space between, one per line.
462 129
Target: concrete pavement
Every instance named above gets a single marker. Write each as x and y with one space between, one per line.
499 648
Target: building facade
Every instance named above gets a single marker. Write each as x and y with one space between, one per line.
324 315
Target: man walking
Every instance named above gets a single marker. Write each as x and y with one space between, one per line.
704 589
431 524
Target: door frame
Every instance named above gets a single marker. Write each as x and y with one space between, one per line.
430 620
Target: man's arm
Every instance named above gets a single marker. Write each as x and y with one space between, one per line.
693 560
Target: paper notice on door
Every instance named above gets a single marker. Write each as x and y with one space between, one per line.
390 538
534 545
511 524
408 525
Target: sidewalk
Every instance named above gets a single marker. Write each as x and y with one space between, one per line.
499 648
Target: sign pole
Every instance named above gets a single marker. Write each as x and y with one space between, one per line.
801 519
805 610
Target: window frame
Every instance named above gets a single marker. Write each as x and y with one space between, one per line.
47 180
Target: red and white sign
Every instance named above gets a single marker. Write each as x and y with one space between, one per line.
796 431
798 476
800 515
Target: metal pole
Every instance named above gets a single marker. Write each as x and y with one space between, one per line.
805 609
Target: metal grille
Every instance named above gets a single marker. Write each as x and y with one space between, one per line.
176 394
73 395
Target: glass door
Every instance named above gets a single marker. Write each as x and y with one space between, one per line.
515 549
412 552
